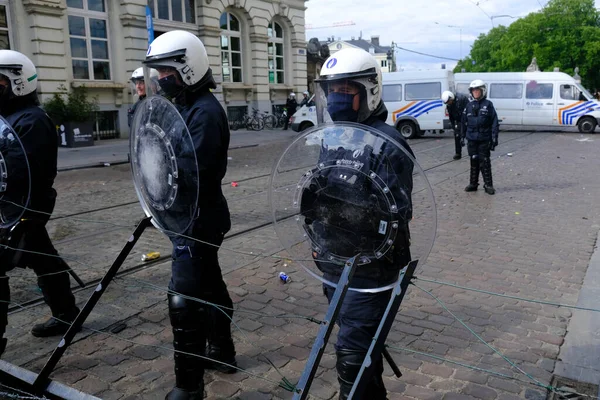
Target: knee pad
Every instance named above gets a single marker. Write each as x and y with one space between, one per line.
186 313
348 364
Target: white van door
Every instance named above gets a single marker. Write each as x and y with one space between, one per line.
571 104
508 101
539 103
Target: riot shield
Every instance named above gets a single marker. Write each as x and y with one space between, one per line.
345 190
164 165
15 178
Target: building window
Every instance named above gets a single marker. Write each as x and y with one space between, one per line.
231 48
383 63
174 10
4 26
88 34
275 53
107 125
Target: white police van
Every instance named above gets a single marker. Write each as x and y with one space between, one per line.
537 98
413 100
305 117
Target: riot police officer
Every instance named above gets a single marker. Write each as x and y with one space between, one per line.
186 78
291 105
139 88
19 105
455 104
349 90
480 127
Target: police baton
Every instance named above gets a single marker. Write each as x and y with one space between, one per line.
392 363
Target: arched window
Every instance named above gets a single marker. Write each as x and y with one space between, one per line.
231 48
275 52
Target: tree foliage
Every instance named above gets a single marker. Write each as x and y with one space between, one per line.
564 34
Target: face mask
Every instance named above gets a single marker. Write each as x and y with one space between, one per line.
339 106
170 87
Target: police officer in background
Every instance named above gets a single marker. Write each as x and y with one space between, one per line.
305 97
455 104
291 105
139 88
480 127
19 105
186 78
351 88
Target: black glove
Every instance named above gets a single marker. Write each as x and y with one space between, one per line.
494 144
462 142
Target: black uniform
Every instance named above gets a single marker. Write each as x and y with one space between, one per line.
455 112
361 312
480 127
195 268
291 106
40 141
131 111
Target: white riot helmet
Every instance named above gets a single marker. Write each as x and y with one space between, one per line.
348 70
292 94
478 84
20 71
446 96
305 93
138 76
183 51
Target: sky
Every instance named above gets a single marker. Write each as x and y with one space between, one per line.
437 27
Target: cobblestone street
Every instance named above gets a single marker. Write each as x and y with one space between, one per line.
533 239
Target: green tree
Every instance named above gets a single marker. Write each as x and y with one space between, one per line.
564 34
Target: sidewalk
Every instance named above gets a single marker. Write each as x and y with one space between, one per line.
115 151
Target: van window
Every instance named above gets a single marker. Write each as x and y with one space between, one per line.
506 90
423 91
571 92
539 90
392 93
462 88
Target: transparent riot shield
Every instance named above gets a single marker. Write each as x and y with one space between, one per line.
345 190
164 165
15 178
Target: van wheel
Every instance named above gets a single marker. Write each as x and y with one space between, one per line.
305 125
407 129
587 125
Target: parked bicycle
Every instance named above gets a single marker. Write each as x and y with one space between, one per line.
281 117
245 121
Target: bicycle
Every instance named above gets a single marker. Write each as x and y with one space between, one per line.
281 117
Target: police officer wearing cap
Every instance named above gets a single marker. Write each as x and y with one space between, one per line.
349 90
455 104
185 77
480 127
19 105
139 88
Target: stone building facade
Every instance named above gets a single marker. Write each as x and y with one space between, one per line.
257 48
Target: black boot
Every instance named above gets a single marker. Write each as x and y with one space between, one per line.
486 171
474 177
348 366
56 289
189 340
56 325
220 345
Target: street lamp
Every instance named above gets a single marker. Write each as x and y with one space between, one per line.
460 29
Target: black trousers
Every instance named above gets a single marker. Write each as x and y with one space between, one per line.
53 278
